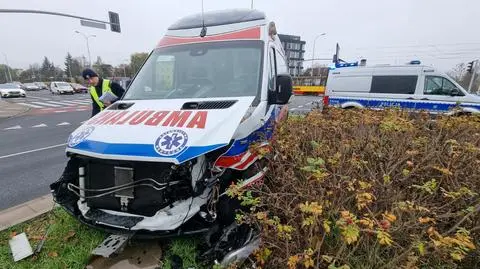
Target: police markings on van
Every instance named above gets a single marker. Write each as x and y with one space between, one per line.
410 87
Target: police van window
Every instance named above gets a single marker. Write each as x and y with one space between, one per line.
272 70
435 85
394 84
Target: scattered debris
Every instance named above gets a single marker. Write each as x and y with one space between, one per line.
20 247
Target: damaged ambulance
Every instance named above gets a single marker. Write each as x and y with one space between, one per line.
157 162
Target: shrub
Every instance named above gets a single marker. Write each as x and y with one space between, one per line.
370 189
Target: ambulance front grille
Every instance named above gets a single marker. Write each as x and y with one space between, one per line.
209 104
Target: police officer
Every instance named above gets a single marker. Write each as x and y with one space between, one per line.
99 86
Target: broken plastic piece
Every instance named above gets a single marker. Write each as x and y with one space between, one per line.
20 247
112 244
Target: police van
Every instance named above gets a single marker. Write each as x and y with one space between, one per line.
158 161
411 87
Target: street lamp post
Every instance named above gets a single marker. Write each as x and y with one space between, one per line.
7 67
313 52
88 46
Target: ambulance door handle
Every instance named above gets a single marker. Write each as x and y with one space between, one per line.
424 99
410 98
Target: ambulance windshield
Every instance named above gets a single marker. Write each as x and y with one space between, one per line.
200 70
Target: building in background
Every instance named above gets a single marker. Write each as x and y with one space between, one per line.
295 50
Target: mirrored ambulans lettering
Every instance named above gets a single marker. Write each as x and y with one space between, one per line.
101 117
129 117
140 117
156 118
188 119
116 118
177 118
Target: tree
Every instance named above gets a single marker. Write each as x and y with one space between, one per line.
123 70
47 71
103 69
68 65
137 60
4 78
461 76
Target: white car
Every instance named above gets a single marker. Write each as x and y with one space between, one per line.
31 87
60 87
11 90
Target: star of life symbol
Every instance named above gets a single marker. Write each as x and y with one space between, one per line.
74 140
171 142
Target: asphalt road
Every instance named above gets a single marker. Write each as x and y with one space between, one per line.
33 156
32 147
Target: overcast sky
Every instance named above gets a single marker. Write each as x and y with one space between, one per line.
441 33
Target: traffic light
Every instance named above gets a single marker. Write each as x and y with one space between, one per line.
470 67
114 21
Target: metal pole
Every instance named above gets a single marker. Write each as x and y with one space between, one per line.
313 52
88 46
89 56
8 68
474 70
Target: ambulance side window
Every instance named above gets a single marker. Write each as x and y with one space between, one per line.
272 70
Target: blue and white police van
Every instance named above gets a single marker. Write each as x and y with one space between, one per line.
411 87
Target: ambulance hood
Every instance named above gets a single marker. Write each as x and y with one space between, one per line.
173 130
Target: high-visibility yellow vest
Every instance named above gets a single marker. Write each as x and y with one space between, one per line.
105 88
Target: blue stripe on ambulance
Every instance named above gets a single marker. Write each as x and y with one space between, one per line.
142 150
261 134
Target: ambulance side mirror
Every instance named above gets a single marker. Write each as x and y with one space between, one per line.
284 90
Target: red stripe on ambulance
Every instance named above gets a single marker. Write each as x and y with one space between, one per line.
188 119
252 33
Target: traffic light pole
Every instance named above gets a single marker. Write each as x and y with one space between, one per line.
474 70
114 19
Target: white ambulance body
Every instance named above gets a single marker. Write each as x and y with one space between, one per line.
154 162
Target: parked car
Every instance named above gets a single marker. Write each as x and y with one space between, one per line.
410 87
79 88
31 87
19 84
61 87
41 85
11 90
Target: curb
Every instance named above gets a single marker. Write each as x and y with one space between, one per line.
26 211
13 108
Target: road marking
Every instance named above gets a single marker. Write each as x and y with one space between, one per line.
80 102
45 104
60 111
63 123
30 105
14 127
40 125
293 109
58 103
70 102
33 150
36 97
300 106
82 109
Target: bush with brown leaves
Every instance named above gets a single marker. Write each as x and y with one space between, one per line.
369 189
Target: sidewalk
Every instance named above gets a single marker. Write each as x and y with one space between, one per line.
26 211
8 110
